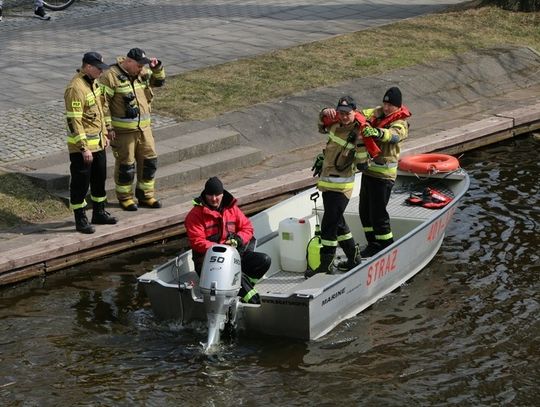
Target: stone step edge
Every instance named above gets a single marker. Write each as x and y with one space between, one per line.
172 150
52 160
194 169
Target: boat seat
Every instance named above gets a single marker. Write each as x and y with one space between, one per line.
286 283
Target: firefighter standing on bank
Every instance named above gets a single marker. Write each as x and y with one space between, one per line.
336 167
389 127
86 143
127 88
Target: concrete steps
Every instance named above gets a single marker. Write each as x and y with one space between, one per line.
181 159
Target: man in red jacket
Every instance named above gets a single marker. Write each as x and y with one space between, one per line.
216 219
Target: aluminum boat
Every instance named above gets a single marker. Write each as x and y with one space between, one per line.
295 307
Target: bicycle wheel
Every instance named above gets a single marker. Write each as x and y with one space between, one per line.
56 5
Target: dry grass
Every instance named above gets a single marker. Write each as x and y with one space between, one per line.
22 203
238 84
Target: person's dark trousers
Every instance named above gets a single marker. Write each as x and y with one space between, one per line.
83 177
333 223
374 197
255 264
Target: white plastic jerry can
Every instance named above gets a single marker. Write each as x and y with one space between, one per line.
294 235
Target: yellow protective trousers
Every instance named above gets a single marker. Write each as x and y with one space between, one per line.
134 153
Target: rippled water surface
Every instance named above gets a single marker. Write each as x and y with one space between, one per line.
464 331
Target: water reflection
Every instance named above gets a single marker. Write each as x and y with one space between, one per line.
465 330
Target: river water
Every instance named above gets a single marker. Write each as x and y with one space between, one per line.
464 331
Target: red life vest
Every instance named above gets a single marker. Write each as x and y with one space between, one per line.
430 198
371 147
401 114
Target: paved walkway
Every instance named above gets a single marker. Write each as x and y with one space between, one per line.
39 57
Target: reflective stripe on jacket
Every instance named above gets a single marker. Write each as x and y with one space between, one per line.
122 93
340 159
84 115
395 129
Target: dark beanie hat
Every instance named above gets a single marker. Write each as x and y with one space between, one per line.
393 96
213 186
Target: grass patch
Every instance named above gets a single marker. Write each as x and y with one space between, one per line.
21 203
241 83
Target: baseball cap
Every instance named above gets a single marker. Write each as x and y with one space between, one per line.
346 104
94 59
138 55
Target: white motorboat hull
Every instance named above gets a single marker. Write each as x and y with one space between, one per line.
294 307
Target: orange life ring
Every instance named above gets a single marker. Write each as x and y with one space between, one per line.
428 163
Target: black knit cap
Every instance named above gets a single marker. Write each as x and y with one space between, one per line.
393 96
345 104
213 186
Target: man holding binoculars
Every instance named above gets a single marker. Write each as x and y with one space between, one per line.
127 89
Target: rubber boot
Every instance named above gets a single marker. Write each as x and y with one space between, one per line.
100 216
128 205
352 251
152 203
386 243
324 267
371 249
370 237
81 222
375 247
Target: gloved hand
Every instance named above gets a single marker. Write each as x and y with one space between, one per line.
317 165
362 166
235 241
371 132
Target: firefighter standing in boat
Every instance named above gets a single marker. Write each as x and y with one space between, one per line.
389 127
86 143
336 167
127 88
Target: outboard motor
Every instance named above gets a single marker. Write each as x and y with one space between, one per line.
221 275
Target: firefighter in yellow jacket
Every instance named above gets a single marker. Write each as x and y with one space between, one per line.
86 143
389 127
343 154
127 90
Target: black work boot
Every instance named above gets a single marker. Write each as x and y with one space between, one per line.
370 236
375 247
81 222
352 251
386 243
324 267
371 249
100 216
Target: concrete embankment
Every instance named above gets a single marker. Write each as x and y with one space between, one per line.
458 104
